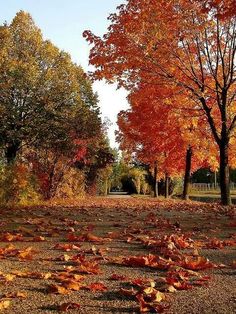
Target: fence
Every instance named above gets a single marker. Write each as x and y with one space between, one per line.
209 186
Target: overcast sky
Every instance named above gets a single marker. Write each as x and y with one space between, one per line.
63 22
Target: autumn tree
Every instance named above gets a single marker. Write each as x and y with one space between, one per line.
161 136
192 48
46 100
50 114
96 157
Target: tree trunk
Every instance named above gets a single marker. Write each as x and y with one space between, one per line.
155 181
224 175
106 187
215 179
166 186
187 173
138 185
50 191
11 152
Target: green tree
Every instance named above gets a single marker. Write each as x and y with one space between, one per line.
45 99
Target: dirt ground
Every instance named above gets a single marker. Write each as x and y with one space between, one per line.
96 238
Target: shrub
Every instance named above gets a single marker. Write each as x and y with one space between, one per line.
18 185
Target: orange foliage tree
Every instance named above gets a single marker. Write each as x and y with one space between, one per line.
192 48
156 130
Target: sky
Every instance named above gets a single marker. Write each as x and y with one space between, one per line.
63 22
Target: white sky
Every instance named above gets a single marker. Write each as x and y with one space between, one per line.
63 22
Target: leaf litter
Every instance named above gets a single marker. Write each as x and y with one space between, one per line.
140 256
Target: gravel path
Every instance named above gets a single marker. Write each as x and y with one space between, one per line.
120 227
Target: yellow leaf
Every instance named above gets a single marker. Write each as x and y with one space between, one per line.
4 304
159 296
171 289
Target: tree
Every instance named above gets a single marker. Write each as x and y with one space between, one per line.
50 115
160 135
105 178
97 156
137 175
46 100
192 48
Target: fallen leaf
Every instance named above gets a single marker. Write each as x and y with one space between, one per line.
57 289
64 307
152 307
197 263
66 247
26 254
71 285
4 304
128 292
118 277
7 277
17 294
97 286
39 239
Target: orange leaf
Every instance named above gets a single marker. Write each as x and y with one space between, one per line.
97 286
26 254
8 237
66 247
197 263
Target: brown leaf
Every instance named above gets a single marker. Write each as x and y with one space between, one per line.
17 294
39 239
118 277
72 237
152 307
57 289
128 292
71 285
90 267
64 258
64 307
